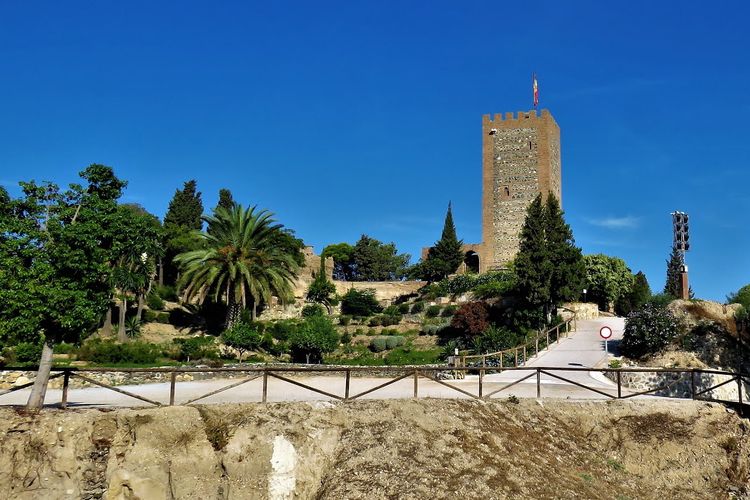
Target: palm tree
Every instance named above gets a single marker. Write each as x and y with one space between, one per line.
240 258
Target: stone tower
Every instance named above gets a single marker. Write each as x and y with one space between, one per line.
520 159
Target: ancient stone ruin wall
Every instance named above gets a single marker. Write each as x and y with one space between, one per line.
520 159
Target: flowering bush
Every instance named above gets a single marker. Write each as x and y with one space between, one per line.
648 330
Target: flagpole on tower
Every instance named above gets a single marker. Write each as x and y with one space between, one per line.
535 87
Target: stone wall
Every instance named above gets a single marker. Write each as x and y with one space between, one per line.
385 291
583 310
681 384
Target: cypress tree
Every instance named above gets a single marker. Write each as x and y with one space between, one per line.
446 255
673 285
185 208
225 199
568 272
533 264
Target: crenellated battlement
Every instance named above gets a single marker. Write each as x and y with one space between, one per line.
515 118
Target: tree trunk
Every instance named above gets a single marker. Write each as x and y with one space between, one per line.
122 336
141 303
161 271
107 327
254 311
39 389
234 310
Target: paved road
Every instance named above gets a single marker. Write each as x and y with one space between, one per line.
583 348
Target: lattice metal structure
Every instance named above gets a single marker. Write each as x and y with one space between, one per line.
680 228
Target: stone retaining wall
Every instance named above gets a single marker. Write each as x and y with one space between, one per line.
681 385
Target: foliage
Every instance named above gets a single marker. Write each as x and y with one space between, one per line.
225 199
375 321
408 356
607 279
568 272
673 284
495 339
445 256
55 253
154 302
166 292
403 308
359 303
532 263
321 290
393 341
63 348
194 348
417 307
378 344
346 338
283 329
108 352
343 260
133 327
345 319
314 337
313 310
636 298
660 300
27 352
433 311
471 318
448 311
241 258
182 218
741 296
376 261
243 337
648 330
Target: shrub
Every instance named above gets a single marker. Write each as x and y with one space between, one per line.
648 330
283 329
314 337
431 329
359 331
471 318
154 302
394 341
346 338
166 292
403 308
432 311
27 352
155 316
64 348
108 352
344 320
311 310
193 348
495 339
376 321
390 310
378 344
132 327
491 289
360 303
243 337
391 320
417 307
448 311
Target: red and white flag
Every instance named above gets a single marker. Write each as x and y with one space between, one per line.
536 89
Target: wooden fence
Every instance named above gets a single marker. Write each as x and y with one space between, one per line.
393 374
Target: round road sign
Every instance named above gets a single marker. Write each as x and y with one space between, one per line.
605 332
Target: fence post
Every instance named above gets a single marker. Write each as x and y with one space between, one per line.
481 376
619 384
172 381
538 383
692 384
416 383
66 380
536 345
557 333
502 355
547 340
525 358
516 353
346 389
265 385
739 387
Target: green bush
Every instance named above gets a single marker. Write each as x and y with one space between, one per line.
344 320
154 302
108 352
431 329
346 338
378 344
132 327
360 303
403 308
311 310
495 339
26 352
417 307
394 341
648 330
195 348
409 356
314 337
166 292
448 311
244 337
64 348
155 316
390 310
283 329
433 311
376 321
388 320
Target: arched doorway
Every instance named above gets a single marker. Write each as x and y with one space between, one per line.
471 261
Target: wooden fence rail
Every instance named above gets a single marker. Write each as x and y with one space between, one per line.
394 374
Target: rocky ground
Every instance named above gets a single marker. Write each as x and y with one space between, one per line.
407 449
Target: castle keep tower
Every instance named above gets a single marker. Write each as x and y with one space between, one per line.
520 159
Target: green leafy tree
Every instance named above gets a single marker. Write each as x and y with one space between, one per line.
568 273
445 256
741 296
242 336
313 338
636 298
360 303
321 290
240 260
183 217
376 261
343 260
56 250
607 278
532 263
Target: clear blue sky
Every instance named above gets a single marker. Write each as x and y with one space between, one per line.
365 117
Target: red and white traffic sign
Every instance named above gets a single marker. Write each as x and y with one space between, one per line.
605 332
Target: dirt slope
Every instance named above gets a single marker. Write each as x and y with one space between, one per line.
379 449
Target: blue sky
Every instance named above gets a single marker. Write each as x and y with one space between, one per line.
365 117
